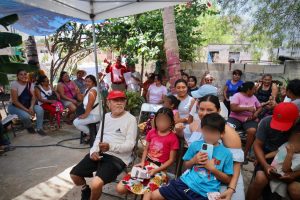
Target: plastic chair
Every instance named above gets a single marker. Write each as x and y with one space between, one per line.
224 111
149 108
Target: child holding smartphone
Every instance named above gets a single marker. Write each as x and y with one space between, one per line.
203 175
286 161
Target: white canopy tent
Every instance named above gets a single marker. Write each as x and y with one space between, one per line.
99 10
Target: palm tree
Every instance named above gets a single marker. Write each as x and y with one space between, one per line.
171 45
31 51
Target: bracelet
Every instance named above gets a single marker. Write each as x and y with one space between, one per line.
231 188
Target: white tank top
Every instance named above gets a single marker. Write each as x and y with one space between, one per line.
94 111
43 96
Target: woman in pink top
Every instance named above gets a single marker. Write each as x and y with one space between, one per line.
69 94
245 108
159 154
156 91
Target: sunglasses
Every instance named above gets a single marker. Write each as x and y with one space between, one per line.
209 80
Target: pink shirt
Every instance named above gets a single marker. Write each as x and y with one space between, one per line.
161 146
69 89
243 101
156 93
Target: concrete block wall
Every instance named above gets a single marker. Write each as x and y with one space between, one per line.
251 72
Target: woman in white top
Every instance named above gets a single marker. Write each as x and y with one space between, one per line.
186 104
48 98
91 106
156 91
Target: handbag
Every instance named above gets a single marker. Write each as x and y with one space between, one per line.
80 109
53 96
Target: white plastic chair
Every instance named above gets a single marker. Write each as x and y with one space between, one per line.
149 108
224 111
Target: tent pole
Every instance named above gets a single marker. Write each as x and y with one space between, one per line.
101 100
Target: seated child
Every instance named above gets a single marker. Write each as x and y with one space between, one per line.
203 175
170 101
159 153
286 160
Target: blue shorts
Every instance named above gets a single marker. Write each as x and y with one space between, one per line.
178 190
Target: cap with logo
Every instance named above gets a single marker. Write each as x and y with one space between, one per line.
284 116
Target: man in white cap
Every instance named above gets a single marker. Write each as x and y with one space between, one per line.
79 81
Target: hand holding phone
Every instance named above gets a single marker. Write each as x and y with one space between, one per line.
275 174
207 148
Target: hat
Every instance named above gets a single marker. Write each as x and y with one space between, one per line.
284 116
81 70
116 94
205 90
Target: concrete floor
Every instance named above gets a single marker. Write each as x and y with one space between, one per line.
43 173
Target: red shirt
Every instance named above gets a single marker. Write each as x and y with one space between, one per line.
116 71
161 146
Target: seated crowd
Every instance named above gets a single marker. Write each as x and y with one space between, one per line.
189 121
192 115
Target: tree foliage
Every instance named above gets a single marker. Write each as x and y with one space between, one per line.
71 41
277 20
142 35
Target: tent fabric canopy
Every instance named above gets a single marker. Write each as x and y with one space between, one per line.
34 21
101 9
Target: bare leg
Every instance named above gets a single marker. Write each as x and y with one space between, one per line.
250 139
147 196
77 180
121 189
294 190
256 187
96 187
71 114
155 195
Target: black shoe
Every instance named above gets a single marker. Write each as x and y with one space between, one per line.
9 148
86 193
41 132
31 130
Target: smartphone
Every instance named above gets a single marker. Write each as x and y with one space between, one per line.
275 174
207 148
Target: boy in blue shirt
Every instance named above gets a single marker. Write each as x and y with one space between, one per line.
203 175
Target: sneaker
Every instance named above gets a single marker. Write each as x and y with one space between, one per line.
86 193
41 132
31 130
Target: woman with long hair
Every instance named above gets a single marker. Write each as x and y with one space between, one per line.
69 94
48 99
23 103
91 107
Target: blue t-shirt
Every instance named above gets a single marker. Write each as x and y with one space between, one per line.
199 179
232 88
